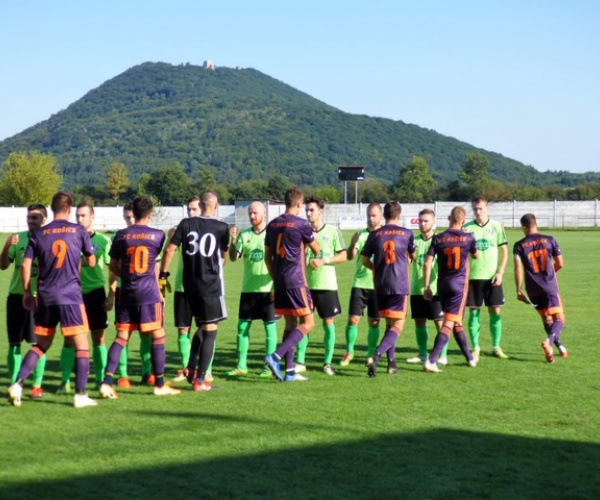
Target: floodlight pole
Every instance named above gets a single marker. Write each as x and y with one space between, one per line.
345 192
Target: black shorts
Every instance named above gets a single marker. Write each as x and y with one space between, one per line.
482 292
19 321
94 308
257 305
208 309
426 309
183 311
361 298
327 303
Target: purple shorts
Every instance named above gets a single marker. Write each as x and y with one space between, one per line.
145 318
293 302
547 305
72 319
453 297
392 306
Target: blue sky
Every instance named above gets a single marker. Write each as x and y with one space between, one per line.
521 78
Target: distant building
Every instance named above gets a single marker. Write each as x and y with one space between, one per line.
208 64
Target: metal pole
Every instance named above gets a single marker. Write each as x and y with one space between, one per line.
345 192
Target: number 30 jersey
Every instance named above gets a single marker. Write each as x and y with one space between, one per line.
58 247
204 241
138 248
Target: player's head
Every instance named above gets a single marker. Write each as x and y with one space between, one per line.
374 215
85 215
193 206
392 211
426 220
128 214
61 203
36 216
209 203
256 213
294 197
314 208
528 223
457 216
480 208
142 208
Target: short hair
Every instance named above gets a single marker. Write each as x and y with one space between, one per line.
479 199
293 196
128 207
209 198
458 214
193 199
427 211
39 208
61 202
374 204
528 221
320 202
392 210
141 207
86 204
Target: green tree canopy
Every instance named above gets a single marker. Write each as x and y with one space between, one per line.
29 178
170 185
476 173
117 180
415 183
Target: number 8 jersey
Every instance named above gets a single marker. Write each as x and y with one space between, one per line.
204 241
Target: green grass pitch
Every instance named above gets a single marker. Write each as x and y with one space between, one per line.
519 428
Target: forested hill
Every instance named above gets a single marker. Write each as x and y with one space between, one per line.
240 123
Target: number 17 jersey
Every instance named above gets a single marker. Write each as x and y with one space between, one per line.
203 240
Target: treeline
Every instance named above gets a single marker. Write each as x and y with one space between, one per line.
28 177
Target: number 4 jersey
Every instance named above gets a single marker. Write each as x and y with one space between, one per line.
138 247
204 241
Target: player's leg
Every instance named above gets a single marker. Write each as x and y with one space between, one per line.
441 341
374 321
183 323
146 359
443 359
351 337
474 303
15 318
242 339
127 321
494 299
67 364
461 340
99 355
330 308
393 308
422 336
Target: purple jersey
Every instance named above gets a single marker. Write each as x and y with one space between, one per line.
390 246
137 247
58 247
537 252
288 235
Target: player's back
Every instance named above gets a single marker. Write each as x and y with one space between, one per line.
537 252
452 248
138 248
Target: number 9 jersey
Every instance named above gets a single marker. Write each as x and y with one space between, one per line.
204 242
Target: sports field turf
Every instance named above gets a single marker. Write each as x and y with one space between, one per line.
520 428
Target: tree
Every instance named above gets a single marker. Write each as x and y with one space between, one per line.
117 180
206 180
29 178
415 183
170 185
475 173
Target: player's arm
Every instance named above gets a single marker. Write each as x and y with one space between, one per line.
497 279
558 263
5 261
269 260
167 258
112 290
233 252
366 261
28 300
519 279
428 295
314 246
351 250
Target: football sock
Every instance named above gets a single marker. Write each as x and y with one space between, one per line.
184 345
422 334
295 336
29 361
441 341
157 354
388 342
115 354
243 343
38 371
212 358
351 336
290 355
207 349
100 357
195 350
496 329
301 350
329 341
13 362
270 337
67 363
372 339
461 339
474 326
82 370
146 353
123 362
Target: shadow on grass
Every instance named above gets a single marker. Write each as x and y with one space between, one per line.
437 464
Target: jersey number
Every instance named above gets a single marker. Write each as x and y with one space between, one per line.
389 250
59 249
138 259
205 246
538 260
280 249
452 257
